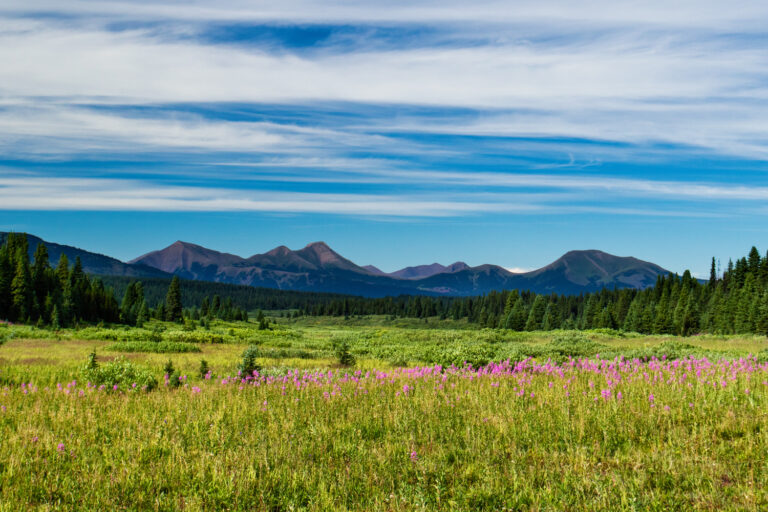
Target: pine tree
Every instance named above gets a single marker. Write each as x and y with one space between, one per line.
753 261
55 321
6 278
173 308
536 315
21 292
128 304
549 322
143 315
762 319
518 316
40 285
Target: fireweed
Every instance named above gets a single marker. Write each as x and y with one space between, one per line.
601 434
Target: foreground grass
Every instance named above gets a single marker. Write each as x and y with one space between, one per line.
688 437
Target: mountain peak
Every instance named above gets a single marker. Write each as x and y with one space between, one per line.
183 255
374 270
597 268
321 255
318 246
280 250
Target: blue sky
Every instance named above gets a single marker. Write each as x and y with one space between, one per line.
398 132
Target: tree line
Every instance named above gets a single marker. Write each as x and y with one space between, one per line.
734 301
250 298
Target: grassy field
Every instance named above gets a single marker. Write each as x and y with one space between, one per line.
682 427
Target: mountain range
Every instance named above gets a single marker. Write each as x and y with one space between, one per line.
317 267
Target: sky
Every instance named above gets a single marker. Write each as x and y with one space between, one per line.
400 133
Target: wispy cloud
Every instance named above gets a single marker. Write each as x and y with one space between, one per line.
25 192
547 107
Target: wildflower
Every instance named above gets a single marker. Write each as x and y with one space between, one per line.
34 439
414 456
61 447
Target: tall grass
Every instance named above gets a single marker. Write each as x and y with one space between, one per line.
597 435
680 425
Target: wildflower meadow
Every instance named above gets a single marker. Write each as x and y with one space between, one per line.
591 432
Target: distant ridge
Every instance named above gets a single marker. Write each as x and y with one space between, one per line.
422 271
317 267
93 263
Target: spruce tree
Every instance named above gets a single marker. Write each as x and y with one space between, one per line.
6 278
173 308
21 292
536 315
40 280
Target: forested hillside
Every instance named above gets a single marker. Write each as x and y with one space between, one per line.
36 292
247 297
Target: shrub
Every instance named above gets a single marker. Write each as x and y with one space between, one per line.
120 373
476 354
193 337
344 356
174 379
203 368
399 361
291 353
248 364
670 349
156 335
575 345
163 347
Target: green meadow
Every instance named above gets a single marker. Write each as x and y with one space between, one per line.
595 420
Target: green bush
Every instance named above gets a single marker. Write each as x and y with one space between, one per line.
670 349
575 345
291 353
342 349
477 354
248 364
192 337
120 373
163 347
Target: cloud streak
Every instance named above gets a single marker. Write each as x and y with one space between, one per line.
544 108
